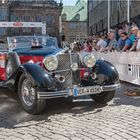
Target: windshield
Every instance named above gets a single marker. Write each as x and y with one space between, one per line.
3 46
35 41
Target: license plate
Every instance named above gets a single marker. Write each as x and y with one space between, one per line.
87 90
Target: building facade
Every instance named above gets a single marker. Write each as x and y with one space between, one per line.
74 22
47 11
98 14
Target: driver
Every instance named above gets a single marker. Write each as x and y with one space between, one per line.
14 43
34 42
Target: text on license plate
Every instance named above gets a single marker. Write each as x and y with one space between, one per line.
87 90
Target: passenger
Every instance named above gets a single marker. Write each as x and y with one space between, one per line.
34 42
14 43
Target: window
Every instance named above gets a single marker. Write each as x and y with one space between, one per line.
38 18
3 14
72 25
50 20
77 17
76 25
2 31
15 18
64 17
90 5
27 18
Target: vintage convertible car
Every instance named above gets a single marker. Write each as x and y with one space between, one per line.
37 69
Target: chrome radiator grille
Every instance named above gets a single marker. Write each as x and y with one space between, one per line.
64 62
64 69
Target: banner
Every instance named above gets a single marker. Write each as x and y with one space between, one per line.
25 24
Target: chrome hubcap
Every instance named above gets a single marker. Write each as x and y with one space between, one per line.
28 92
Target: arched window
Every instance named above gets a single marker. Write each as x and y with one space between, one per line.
13 17
3 14
64 17
50 20
27 18
77 16
38 18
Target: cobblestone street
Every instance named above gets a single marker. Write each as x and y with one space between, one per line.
80 120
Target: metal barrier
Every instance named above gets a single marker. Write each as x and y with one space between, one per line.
127 64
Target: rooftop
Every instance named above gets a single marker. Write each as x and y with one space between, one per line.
78 12
30 2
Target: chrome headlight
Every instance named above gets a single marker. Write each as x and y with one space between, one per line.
51 63
89 60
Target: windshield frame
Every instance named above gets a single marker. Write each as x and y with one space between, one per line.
25 42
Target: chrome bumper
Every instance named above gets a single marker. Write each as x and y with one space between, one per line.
67 93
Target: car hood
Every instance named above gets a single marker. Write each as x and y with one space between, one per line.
37 51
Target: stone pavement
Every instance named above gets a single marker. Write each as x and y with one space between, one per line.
81 119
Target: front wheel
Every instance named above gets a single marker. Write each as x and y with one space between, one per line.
103 97
28 96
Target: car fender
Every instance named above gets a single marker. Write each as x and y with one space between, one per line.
40 76
107 69
14 58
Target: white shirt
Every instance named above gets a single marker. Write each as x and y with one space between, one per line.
102 43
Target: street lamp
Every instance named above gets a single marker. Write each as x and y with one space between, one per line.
128 11
108 16
118 11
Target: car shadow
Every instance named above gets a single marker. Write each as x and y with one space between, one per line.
122 99
12 114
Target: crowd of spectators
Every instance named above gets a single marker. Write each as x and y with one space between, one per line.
126 38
